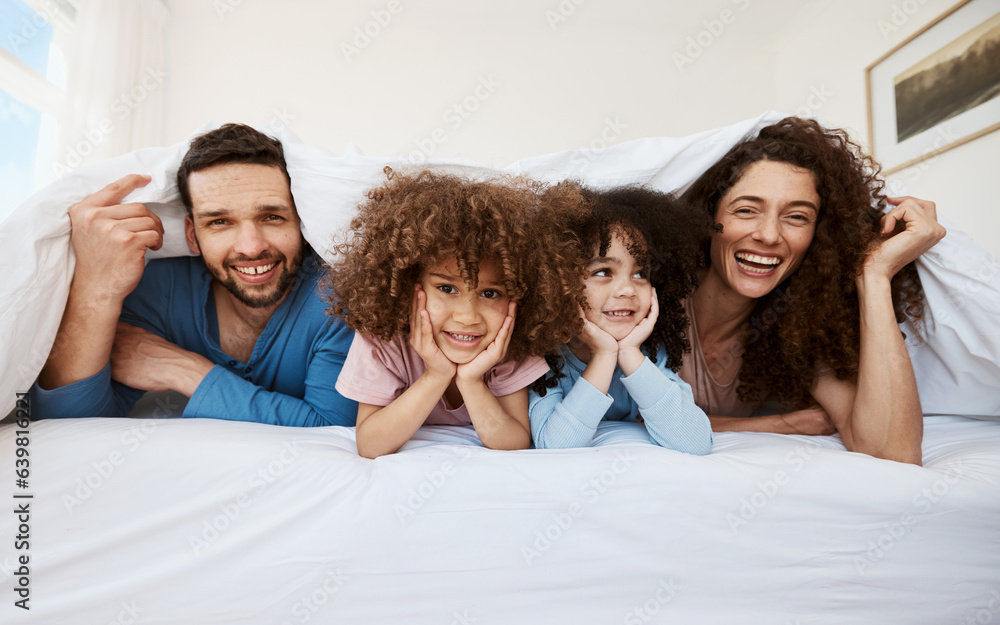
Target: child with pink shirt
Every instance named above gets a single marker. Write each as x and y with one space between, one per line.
456 288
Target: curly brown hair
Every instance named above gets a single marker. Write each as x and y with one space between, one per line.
413 221
812 319
665 236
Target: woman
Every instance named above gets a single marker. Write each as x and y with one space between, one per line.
806 283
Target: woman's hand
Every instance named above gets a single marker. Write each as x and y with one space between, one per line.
921 231
476 368
813 421
422 338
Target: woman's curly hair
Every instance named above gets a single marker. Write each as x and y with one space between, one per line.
811 320
413 221
665 236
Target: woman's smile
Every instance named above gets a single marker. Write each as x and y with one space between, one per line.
768 219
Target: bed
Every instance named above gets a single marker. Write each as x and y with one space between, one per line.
157 519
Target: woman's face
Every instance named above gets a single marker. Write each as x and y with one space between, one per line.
768 220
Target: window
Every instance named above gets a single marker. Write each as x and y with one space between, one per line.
33 35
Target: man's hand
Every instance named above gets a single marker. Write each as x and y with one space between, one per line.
145 361
110 239
110 242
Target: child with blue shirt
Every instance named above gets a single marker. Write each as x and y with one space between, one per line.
641 254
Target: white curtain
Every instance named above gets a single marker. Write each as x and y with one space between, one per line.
116 83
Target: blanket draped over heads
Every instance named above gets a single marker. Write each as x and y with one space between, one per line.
957 361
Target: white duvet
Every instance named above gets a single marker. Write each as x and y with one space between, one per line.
202 521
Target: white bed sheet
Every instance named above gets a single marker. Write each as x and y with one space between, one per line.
203 521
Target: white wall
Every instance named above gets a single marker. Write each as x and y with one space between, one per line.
829 50
611 67
557 82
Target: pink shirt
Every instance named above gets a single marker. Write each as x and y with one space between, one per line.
710 395
376 373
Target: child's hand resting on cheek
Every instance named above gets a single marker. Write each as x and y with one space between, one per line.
630 357
597 340
476 368
422 339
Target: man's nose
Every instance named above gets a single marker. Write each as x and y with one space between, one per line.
250 241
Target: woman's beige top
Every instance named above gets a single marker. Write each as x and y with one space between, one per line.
709 395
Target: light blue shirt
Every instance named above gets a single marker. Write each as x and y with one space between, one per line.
289 379
567 416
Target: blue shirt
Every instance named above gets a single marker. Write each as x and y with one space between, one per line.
289 380
567 416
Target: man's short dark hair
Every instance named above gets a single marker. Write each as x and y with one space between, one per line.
231 143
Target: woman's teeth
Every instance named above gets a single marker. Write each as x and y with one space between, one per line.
757 264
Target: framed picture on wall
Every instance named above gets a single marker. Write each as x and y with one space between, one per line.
938 89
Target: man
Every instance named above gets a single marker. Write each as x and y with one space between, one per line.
240 329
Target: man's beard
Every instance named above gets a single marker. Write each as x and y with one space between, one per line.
253 297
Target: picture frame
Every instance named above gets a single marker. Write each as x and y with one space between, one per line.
938 89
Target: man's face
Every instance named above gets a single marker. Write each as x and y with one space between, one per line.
244 225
